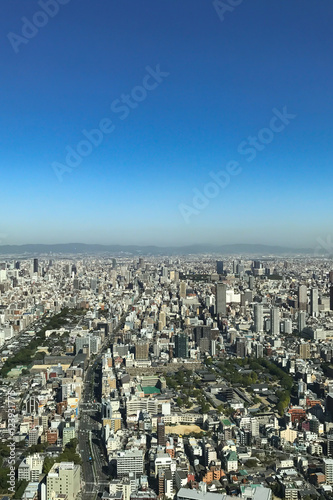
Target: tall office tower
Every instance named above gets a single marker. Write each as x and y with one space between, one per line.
330 279
331 297
275 321
219 266
35 268
240 269
161 433
182 290
257 264
259 351
141 263
240 348
302 297
162 319
234 266
314 302
246 297
142 350
287 326
221 299
304 350
74 270
17 265
258 318
181 345
251 282
114 263
301 320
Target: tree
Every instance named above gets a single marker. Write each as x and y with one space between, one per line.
47 465
179 402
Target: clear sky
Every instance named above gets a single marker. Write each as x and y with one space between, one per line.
197 85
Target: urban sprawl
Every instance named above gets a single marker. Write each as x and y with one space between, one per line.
189 378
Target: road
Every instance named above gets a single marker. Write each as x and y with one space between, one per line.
95 468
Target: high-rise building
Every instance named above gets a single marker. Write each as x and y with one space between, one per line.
162 319
161 433
301 320
35 266
258 318
181 345
182 290
68 433
259 351
314 302
331 297
275 321
302 297
221 299
141 263
330 444
331 277
142 350
328 470
63 479
129 461
33 436
219 266
240 348
304 350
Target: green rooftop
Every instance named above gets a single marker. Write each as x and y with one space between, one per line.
150 390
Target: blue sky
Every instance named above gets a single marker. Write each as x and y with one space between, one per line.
224 79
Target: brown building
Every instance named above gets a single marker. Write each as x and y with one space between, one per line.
52 436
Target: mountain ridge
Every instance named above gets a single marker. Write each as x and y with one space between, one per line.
86 248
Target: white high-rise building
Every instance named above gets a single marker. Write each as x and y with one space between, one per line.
314 302
328 470
64 478
275 321
258 318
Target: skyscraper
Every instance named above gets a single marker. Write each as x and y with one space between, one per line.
314 301
219 266
275 321
258 318
301 320
35 268
221 299
181 345
142 350
240 347
182 289
161 433
302 298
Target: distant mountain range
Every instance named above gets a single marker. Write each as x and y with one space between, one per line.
82 248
